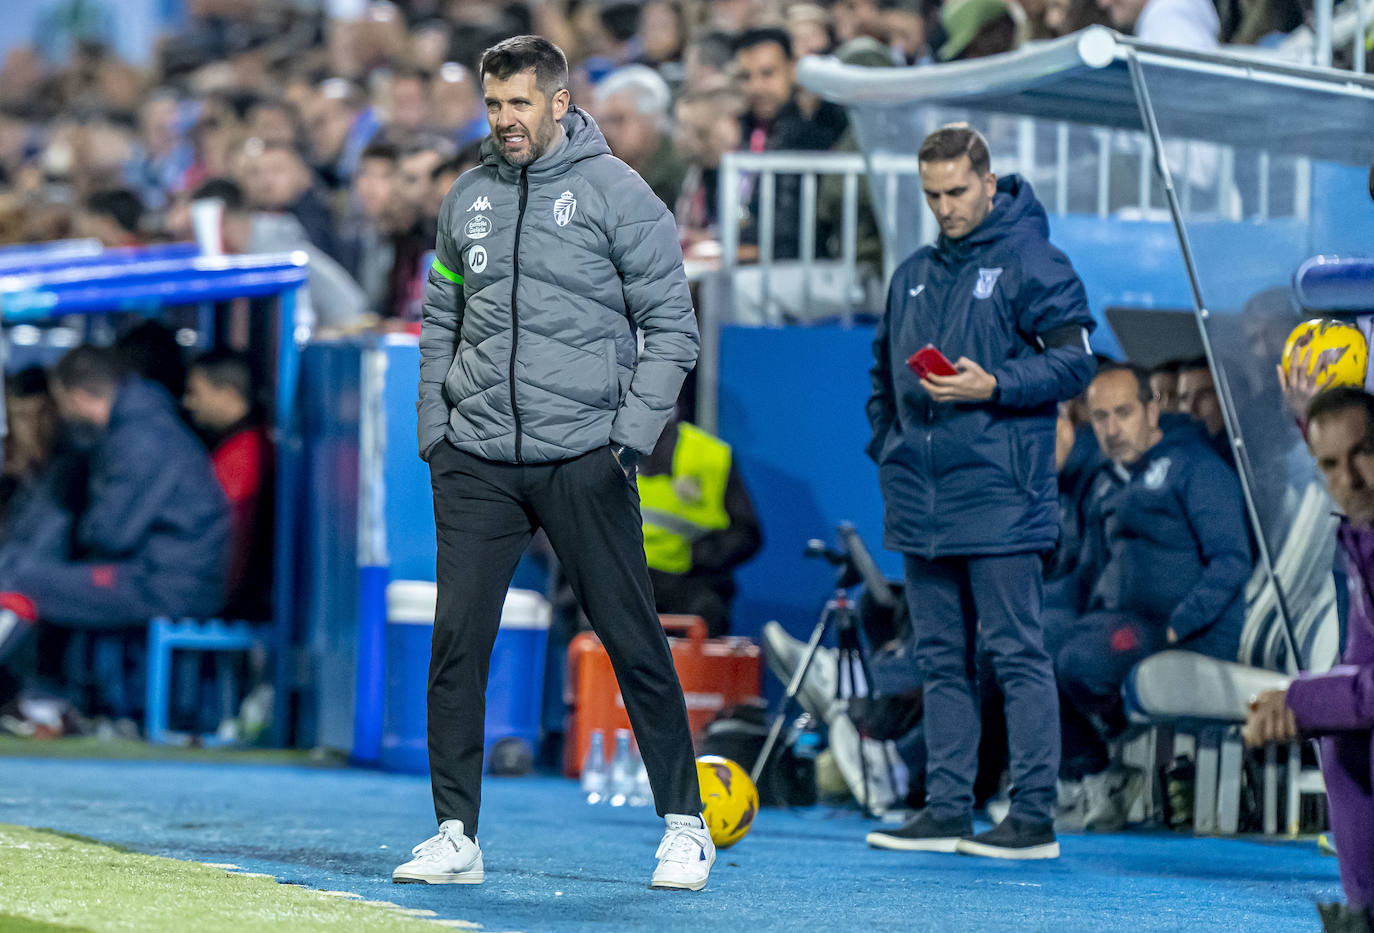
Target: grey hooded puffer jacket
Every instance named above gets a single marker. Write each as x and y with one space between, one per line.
542 278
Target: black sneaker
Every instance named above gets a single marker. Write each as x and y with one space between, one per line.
1013 839
1338 918
923 833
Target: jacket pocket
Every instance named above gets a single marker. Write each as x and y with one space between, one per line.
612 373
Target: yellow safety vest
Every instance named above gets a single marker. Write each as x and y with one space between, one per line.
672 523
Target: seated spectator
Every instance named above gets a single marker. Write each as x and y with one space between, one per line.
445 174
112 216
1191 24
419 157
766 75
406 101
1338 706
1077 459
221 402
977 29
1164 385
31 420
706 127
706 61
1197 398
1164 563
631 108
458 111
391 243
150 349
152 536
339 123
275 179
331 297
699 524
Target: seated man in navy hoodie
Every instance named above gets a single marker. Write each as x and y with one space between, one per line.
1164 564
152 536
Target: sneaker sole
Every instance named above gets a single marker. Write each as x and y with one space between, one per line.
677 885
465 877
947 844
1045 851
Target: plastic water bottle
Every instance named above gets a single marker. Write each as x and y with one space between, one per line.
643 794
622 784
594 771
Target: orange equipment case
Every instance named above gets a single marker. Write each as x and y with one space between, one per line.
714 673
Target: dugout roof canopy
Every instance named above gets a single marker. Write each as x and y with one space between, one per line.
1235 97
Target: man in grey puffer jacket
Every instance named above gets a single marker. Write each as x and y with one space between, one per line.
535 402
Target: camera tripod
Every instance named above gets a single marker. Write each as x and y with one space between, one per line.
854 565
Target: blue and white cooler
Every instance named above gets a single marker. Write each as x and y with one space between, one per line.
514 685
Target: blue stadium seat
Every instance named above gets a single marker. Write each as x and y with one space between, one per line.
166 635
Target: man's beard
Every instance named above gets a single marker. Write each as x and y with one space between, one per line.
538 142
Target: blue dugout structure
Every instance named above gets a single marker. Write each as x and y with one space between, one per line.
36 285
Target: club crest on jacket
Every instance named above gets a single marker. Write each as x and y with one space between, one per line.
987 278
564 208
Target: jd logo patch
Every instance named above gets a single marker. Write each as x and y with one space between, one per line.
564 208
1156 474
481 204
987 279
478 227
477 259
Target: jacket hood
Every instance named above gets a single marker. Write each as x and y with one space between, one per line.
138 399
1179 431
1014 209
582 139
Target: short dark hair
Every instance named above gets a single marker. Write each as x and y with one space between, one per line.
714 47
1168 368
764 35
1142 379
524 53
1197 362
97 370
29 382
951 142
381 149
122 204
225 190
227 369
1343 398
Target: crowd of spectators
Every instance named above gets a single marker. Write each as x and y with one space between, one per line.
341 136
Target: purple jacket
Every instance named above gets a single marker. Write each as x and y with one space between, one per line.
1342 699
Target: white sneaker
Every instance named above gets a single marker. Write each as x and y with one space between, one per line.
1107 799
685 855
446 858
887 773
1069 807
784 654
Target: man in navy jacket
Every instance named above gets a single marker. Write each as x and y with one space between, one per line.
966 464
1164 563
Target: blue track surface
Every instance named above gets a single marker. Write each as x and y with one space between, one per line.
554 863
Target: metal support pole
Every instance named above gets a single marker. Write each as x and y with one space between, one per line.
1228 406
287 511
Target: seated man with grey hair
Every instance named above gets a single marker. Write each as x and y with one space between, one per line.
632 108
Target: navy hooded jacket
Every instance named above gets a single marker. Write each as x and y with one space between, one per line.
154 503
978 477
1170 545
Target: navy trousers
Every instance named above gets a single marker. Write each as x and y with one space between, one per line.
956 603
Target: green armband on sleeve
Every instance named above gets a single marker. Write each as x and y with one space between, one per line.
443 270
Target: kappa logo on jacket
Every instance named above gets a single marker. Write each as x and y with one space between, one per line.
987 280
481 204
564 208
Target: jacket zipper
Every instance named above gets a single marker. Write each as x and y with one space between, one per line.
514 312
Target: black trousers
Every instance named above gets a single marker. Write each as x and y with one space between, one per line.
485 514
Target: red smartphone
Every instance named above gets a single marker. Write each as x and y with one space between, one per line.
929 361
